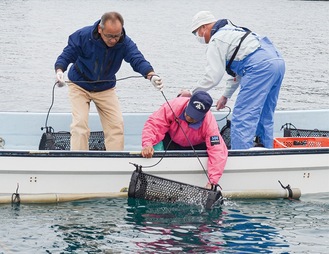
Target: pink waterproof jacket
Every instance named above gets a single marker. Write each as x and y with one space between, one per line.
164 120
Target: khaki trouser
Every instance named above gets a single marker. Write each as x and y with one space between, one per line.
109 111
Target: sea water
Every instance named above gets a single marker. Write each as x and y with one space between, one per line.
138 226
34 32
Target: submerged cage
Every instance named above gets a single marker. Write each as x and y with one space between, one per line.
149 187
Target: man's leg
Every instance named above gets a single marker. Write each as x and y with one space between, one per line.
265 125
80 105
108 107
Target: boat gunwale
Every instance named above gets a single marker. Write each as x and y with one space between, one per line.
159 154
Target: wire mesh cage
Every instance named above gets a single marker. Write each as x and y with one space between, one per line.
226 133
289 130
149 187
61 141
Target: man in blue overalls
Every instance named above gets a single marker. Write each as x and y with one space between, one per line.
253 63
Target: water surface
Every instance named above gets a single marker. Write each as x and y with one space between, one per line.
138 226
34 32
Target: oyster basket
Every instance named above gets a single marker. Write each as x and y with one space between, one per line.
150 187
289 130
61 140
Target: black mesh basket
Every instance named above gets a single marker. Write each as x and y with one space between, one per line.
289 130
226 133
61 141
149 187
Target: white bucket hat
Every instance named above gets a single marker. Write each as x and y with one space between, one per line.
202 18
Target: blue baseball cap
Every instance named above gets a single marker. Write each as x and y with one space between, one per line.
198 106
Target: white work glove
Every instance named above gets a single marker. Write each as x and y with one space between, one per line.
60 78
157 82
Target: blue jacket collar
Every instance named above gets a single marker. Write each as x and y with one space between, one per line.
218 25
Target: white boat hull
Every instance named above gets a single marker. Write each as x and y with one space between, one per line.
34 172
38 172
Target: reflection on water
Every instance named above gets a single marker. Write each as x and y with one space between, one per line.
193 230
139 226
174 227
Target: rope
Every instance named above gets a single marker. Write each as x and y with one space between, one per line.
180 126
213 186
166 149
290 194
102 81
15 198
49 129
225 117
176 119
51 105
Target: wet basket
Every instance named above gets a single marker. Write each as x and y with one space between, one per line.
300 142
149 187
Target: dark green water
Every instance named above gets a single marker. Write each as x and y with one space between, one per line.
138 226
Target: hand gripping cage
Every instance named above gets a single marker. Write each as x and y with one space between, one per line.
149 187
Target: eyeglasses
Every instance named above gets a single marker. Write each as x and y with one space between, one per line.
113 36
196 30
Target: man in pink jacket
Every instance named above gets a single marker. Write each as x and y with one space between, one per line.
185 122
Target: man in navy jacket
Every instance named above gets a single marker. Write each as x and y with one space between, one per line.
96 53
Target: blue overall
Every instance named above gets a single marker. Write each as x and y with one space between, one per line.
261 76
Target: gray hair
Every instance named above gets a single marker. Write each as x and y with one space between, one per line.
113 16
